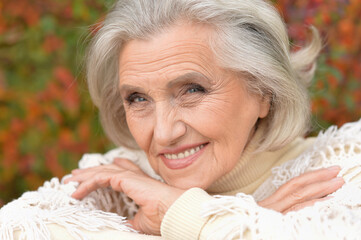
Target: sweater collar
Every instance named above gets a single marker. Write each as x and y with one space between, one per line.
245 176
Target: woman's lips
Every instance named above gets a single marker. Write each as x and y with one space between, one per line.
182 159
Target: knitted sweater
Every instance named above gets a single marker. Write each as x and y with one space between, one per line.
226 210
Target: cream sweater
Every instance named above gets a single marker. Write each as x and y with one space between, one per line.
50 212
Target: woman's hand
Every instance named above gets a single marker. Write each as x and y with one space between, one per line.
304 190
153 197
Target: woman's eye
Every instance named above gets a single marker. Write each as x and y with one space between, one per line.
139 99
135 98
193 88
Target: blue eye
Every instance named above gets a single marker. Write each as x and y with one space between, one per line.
135 98
193 88
139 99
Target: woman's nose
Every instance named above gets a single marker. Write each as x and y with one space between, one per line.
169 126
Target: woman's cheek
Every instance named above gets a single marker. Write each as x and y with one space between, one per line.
207 118
140 129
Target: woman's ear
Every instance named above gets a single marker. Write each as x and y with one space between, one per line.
265 104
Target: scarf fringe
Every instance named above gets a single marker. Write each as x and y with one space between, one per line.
335 146
52 203
239 217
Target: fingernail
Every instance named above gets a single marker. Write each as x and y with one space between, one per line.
338 179
334 168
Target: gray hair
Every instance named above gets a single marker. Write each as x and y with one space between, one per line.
250 38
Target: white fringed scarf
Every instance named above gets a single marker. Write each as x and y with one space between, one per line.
52 204
337 218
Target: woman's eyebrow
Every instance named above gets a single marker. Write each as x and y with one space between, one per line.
189 77
129 88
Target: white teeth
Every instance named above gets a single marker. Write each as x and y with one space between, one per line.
184 154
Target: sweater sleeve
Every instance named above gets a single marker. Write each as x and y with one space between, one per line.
184 220
197 215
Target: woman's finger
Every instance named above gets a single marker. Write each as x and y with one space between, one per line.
308 178
300 182
305 204
308 193
93 178
81 175
100 180
127 164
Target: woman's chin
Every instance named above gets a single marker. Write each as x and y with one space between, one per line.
187 182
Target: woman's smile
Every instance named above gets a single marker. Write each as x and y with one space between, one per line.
177 159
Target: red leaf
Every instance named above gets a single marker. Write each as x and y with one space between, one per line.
64 76
52 43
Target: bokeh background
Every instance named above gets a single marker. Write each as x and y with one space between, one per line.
47 120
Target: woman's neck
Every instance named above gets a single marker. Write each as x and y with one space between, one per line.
251 170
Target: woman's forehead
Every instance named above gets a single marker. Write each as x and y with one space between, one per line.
178 48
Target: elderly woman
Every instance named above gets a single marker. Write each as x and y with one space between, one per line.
210 92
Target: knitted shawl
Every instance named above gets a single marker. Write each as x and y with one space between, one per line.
337 218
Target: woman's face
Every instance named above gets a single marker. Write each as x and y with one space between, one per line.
191 117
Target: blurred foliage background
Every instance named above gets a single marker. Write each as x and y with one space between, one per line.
47 120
